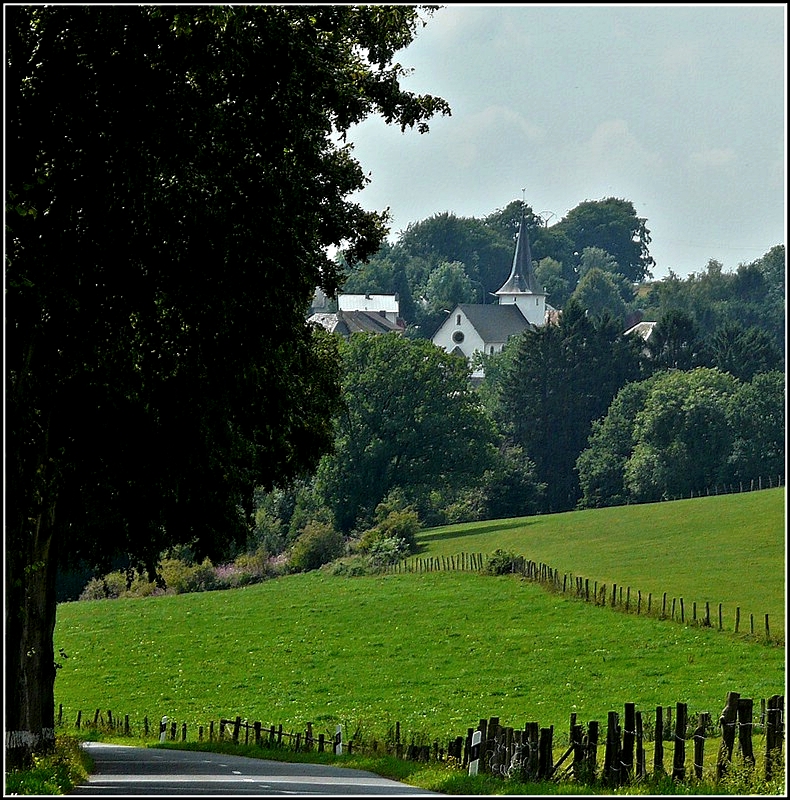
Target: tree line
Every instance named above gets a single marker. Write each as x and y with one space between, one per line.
599 249
571 415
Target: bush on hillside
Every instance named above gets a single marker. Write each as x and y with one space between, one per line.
107 587
318 544
387 550
503 562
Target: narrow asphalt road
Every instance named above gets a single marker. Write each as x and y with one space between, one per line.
122 770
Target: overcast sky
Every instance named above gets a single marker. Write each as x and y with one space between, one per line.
680 109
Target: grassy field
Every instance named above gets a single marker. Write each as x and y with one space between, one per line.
728 549
435 652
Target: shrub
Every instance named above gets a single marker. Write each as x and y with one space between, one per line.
503 562
351 567
403 525
182 578
318 544
387 550
108 587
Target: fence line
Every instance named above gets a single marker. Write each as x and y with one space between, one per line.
581 588
528 753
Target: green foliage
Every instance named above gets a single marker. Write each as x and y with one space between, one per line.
385 550
675 342
182 173
753 296
757 415
550 275
394 536
316 545
612 225
601 464
598 293
503 562
743 352
411 422
563 377
682 432
485 252
448 285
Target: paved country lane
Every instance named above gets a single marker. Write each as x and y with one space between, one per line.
123 770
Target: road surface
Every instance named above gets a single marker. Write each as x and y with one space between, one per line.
122 770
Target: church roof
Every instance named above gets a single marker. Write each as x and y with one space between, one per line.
522 278
495 323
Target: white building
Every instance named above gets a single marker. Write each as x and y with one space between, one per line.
475 327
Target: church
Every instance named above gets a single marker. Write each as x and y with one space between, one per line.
477 327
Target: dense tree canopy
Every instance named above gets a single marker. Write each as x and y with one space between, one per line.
410 422
612 225
175 176
679 432
560 379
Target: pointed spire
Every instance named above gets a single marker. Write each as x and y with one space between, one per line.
522 278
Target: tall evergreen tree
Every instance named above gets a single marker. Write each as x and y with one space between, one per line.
561 379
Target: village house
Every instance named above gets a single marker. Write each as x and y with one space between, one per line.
367 313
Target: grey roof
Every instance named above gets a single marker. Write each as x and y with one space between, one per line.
347 322
522 274
495 323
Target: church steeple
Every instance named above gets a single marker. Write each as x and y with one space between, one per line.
521 287
522 275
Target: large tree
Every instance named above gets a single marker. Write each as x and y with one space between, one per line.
612 225
175 176
561 378
411 422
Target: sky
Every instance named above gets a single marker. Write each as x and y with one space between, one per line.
680 109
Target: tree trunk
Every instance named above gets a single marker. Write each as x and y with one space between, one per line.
31 565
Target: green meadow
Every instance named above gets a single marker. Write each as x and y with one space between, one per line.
438 651
728 549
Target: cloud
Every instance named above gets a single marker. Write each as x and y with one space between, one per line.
613 147
714 157
482 134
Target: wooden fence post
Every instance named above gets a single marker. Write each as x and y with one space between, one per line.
679 760
629 735
531 740
236 728
699 743
641 765
774 730
611 763
79 720
591 756
745 715
577 743
545 753
658 742
727 722
184 732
